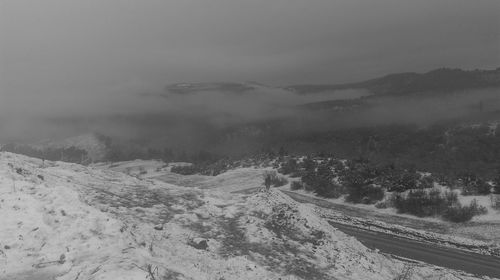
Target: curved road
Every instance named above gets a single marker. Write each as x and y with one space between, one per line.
473 263
433 254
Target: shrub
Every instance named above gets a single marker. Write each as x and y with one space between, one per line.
403 180
473 185
478 209
271 178
496 181
451 197
495 201
321 180
337 165
367 194
358 179
496 189
296 185
458 214
483 188
330 190
478 187
381 205
308 164
424 203
461 214
323 183
213 169
185 170
425 182
289 167
280 181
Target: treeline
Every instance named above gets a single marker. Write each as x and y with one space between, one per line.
447 150
203 168
215 167
69 154
201 162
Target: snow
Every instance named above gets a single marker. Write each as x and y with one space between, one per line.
493 215
234 180
67 221
137 168
476 236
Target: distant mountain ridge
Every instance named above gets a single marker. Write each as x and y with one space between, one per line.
221 87
186 88
443 79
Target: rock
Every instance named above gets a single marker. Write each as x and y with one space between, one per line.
199 243
62 259
158 227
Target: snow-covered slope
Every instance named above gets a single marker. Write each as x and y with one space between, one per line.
67 221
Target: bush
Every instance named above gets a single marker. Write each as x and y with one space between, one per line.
478 187
424 203
337 165
296 185
483 188
496 189
461 214
382 205
280 181
271 178
451 197
185 170
426 182
458 214
359 173
321 181
495 201
367 194
358 179
330 190
478 209
496 181
289 167
309 165
473 185
214 169
403 180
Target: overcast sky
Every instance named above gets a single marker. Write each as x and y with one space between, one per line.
78 48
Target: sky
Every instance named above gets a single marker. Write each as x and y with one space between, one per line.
59 52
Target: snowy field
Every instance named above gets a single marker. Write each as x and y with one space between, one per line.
67 221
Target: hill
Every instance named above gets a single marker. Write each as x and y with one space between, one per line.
442 80
186 88
67 221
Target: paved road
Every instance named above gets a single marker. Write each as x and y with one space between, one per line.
429 253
